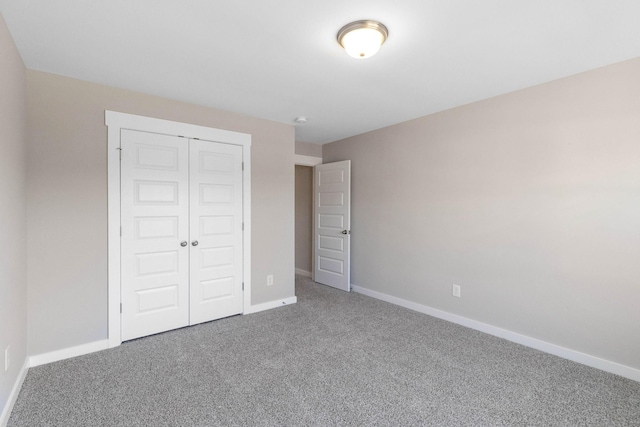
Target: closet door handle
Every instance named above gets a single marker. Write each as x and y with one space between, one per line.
183 244
194 243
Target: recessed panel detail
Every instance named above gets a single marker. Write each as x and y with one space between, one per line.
331 243
216 257
331 177
159 158
331 221
331 199
217 289
213 194
156 192
157 263
331 265
216 163
216 225
156 227
150 300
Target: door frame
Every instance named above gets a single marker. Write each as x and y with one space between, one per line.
117 121
309 161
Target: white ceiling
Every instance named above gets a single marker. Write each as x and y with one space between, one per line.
279 59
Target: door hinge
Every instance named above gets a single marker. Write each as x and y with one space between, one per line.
119 153
242 165
243 286
120 308
243 226
120 231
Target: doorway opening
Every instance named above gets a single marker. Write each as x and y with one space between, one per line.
303 220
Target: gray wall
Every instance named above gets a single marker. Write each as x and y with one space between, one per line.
530 201
304 207
13 160
308 149
67 202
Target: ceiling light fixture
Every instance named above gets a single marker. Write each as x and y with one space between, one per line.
362 39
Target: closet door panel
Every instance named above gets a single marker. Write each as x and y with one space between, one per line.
155 221
216 230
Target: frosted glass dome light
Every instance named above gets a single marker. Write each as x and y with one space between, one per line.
362 39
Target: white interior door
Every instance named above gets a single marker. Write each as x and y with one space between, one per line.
216 230
332 224
182 232
154 220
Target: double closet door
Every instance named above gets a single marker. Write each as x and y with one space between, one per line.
181 244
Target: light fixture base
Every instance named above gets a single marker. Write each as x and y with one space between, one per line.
362 39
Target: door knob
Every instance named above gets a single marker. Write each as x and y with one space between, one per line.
194 243
345 232
183 244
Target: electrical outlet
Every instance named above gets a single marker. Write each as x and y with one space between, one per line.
456 291
270 280
6 359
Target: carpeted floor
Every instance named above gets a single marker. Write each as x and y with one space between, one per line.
333 358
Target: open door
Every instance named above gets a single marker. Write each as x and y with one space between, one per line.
332 224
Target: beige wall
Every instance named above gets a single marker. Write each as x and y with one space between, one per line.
530 201
13 159
308 149
304 206
67 202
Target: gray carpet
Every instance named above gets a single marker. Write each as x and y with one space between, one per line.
332 359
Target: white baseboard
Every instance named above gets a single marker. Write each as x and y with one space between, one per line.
303 272
566 353
13 396
272 304
67 353
80 350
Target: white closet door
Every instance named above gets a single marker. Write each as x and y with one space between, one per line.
216 230
154 215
